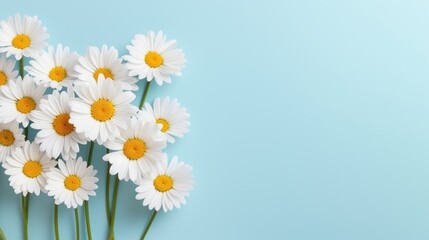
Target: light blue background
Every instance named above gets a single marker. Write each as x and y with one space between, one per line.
310 119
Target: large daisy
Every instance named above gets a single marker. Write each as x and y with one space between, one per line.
101 110
54 68
27 167
137 149
18 99
169 115
152 57
166 186
57 135
22 36
105 62
72 183
7 71
11 137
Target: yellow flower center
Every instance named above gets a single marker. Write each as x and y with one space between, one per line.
72 182
57 74
61 124
6 138
25 105
107 73
3 78
32 169
21 41
153 59
163 183
134 148
165 124
102 110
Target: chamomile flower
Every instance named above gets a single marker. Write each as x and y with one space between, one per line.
105 62
169 115
101 110
137 149
166 186
27 167
54 68
22 36
18 99
72 183
152 57
57 135
7 72
11 137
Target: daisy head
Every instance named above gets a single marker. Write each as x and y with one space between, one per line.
19 99
27 167
11 137
101 110
105 62
54 68
137 149
7 72
72 183
167 113
22 36
57 135
166 186
153 57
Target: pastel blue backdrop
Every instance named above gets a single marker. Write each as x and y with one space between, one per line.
310 119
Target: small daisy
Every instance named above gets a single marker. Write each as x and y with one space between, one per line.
104 62
72 183
57 135
102 110
22 36
18 99
169 115
11 137
166 186
27 167
7 70
54 68
152 57
138 148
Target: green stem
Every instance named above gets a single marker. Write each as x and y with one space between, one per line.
2 236
91 150
113 213
25 214
85 204
149 224
146 90
88 223
108 191
26 132
21 67
57 232
76 215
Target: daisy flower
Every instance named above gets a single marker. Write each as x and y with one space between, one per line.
169 115
18 99
7 70
152 57
27 167
72 183
166 186
104 62
137 149
54 68
11 137
22 36
101 110
57 135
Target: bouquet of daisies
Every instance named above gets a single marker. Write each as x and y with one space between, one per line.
69 101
